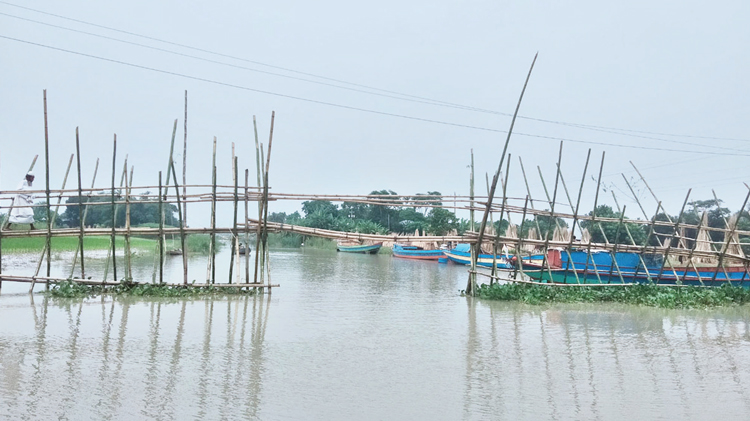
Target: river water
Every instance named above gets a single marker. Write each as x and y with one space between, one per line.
363 337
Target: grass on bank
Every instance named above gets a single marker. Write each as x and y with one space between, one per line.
71 289
638 294
196 243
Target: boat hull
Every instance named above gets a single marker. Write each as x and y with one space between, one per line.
627 268
462 256
362 249
410 252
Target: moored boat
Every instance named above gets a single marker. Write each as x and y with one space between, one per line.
598 267
359 248
461 254
414 252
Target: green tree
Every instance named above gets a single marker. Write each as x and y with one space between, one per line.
441 221
611 228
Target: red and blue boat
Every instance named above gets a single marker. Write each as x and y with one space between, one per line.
414 252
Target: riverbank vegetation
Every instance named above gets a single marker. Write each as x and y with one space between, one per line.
638 294
196 243
71 289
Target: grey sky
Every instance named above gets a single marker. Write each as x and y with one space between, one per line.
672 67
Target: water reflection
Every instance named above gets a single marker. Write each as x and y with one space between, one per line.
605 362
75 366
366 337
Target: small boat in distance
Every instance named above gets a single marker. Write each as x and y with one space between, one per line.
461 254
359 248
244 249
414 252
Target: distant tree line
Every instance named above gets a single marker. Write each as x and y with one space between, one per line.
143 211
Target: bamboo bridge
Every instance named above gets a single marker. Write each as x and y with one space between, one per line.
668 234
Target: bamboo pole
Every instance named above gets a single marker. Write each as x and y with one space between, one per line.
161 234
181 225
247 232
46 176
675 231
575 212
518 266
552 208
112 238
258 163
235 246
80 208
213 218
128 265
184 169
493 271
83 223
728 240
474 255
593 218
265 193
470 288
184 196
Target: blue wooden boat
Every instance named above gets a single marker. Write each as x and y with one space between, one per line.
461 254
599 268
359 248
414 252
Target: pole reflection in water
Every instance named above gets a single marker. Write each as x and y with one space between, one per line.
366 337
136 359
604 362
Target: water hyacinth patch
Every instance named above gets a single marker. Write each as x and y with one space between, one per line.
637 294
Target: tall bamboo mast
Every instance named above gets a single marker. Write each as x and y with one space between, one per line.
80 206
235 246
470 288
161 233
258 162
46 188
265 192
247 233
213 217
112 239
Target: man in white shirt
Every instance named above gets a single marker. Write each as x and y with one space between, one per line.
21 211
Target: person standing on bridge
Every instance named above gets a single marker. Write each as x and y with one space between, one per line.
21 211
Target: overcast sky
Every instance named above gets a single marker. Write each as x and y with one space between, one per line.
665 83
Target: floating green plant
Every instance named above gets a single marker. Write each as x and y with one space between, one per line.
638 294
72 289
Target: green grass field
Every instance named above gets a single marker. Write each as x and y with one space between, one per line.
197 243
10 245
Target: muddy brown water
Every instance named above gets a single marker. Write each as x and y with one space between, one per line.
361 337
